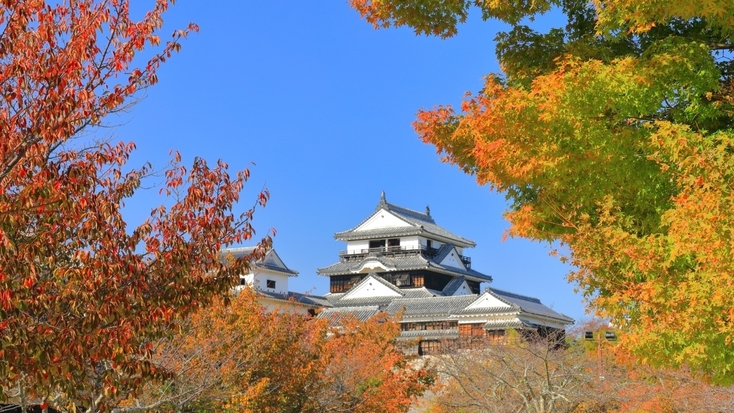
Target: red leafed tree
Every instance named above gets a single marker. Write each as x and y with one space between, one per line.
81 294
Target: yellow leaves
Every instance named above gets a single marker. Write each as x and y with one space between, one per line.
640 17
620 149
243 356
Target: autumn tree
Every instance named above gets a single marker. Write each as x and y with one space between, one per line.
621 383
365 369
524 373
241 357
83 295
611 135
530 373
234 357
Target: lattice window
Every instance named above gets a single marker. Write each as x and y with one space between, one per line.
429 347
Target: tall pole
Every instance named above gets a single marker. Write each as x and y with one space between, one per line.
599 365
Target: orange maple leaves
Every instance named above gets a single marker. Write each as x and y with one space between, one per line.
243 358
621 150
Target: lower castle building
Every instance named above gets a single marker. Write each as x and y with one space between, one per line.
269 277
399 260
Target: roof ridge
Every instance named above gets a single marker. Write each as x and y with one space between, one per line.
516 295
379 258
441 297
352 308
272 251
400 209
491 292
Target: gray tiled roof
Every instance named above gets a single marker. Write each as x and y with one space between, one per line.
335 315
238 252
430 334
313 300
443 252
425 303
429 307
453 285
487 310
504 324
529 304
241 252
420 224
276 268
402 262
421 292
381 302
333 297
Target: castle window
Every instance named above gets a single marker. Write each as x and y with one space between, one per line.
342 283
429 347
377 244
270 284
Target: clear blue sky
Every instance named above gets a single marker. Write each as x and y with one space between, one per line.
323 104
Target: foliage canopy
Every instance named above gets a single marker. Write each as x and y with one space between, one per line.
613 135
82 296
243 358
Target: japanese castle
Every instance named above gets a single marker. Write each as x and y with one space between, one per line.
400 260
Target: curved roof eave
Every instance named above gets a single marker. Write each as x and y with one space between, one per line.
403 232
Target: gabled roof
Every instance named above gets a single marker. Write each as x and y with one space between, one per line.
503 324
430 307
443 252
402 262
453 286
369 279
417 224
335 315
503 309
421 292
448 334
529 305
307 299
270 262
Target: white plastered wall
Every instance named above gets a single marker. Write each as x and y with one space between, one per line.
452 260
382 219
464 289
260 281
354 247
370 287
487 300
413 242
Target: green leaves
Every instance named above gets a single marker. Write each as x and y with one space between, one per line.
613 135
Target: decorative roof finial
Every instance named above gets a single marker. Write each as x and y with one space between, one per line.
382 197
428 210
